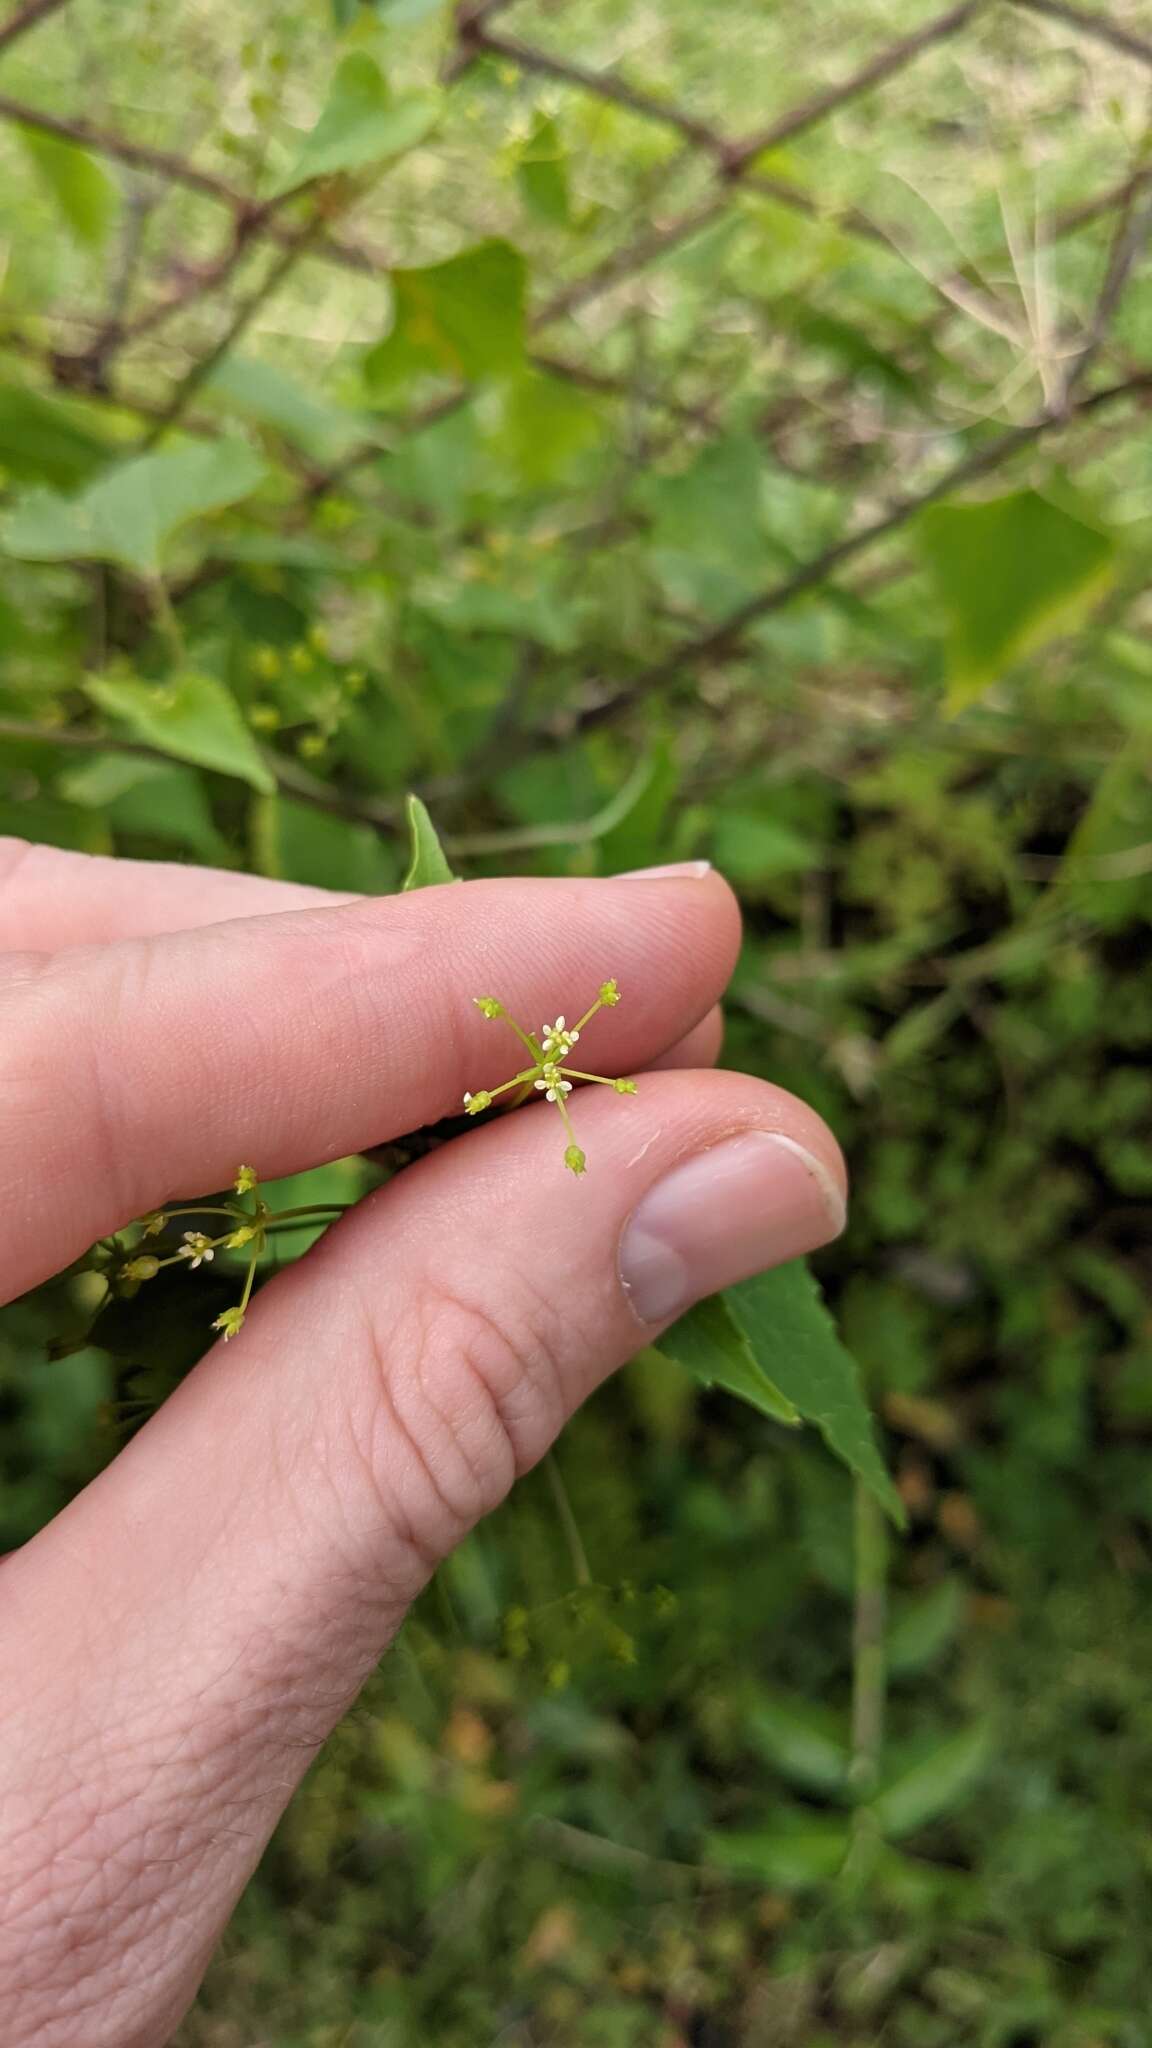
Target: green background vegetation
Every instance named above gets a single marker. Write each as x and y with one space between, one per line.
442 490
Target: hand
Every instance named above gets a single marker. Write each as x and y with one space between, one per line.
177 1644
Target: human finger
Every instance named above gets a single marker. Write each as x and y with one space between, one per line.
50 898
700 1047
191 1626
137 1072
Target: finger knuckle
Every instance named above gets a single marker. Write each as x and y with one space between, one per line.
468 1397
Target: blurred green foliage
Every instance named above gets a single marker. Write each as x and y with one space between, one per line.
414 481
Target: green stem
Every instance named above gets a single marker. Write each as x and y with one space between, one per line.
568 1522
517 1081
534 1052
869 1673
245 1298
589 1014
566 1119
168 625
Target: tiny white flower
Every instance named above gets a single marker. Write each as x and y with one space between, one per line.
557 1038
558 1091
197 1248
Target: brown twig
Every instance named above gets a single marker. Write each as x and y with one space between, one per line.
25 18
724 637
241 320
1133 227
605 85
884 65
1101 26
471 16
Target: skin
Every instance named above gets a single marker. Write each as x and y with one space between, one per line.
178 1643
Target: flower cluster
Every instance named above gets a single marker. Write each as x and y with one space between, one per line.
247 1228
549 1072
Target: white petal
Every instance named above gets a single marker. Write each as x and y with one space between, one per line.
539 1084
559 1023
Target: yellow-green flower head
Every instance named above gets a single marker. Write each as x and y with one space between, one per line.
548 1073
229 1322
245 1180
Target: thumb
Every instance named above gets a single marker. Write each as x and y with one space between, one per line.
197 1620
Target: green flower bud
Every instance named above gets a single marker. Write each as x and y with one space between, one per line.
624 1087
488 1006
609 994
574 1159
145 1268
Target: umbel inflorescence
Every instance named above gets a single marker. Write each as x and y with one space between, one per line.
549 1072
246 1220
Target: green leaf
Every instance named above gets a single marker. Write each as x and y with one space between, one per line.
807 1744
1010 573
362 124
750 847
192 717
150 800
794 1342
795 1854
845 343
709 1344
1104 871
428 864
542 174
131 513
463 318
709 545
923 1627
272 399
87 196
543 426
934 1786
46 440
298 843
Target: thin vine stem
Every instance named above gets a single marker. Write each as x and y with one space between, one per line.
568 1522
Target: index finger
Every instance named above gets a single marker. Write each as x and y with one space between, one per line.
138 1071
50 898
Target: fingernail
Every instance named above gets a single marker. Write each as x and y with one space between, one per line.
749 1203
695 868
